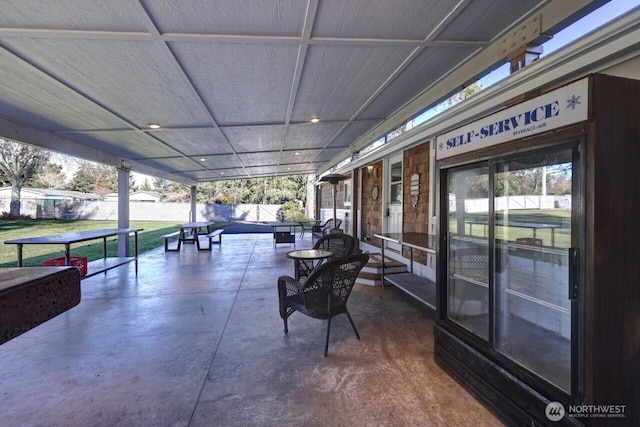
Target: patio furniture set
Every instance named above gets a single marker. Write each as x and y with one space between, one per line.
324 277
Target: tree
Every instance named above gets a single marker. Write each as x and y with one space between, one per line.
95 178
176 193
267 190
50 176
458 97
19 163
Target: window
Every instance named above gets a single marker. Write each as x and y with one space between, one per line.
347 192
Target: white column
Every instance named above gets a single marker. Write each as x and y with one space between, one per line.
193 203
123 210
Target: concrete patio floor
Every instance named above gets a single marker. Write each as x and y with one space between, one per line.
196 340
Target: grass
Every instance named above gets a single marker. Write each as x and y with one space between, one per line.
33 255
561 238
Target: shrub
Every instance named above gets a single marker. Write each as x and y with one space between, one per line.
7 215
291 212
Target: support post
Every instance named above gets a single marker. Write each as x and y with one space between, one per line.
123 210
193 189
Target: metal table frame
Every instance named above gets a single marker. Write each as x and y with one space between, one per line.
67 239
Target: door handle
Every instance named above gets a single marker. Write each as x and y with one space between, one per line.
573 273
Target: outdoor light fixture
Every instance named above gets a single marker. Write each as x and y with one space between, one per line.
334 179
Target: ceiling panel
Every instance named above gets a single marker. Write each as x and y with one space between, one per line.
133 145
353 131
222 161
301 158
425 70
237 17
311 135
193 141
260 158
248 139
31 97
184 165
241 83
134 79
112 15
338 80
379 19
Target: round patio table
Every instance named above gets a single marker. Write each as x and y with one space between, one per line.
306 260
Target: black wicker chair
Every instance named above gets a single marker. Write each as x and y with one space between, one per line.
318 231
324 294
339 243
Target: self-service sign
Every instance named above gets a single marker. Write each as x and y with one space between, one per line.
553 110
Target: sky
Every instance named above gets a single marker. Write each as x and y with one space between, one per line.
595 19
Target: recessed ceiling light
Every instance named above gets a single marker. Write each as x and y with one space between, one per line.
314 120
297 153
221 173
202 159
153 126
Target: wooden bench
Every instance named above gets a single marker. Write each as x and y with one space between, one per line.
166 238
210 238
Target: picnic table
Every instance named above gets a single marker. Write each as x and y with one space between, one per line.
535 226
191 232
67 239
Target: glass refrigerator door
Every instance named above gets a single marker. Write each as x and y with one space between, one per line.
532 236
468 250
512 224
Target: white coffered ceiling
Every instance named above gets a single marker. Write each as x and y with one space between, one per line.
234 83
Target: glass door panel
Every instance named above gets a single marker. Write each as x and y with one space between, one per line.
532 236
394 202
467 249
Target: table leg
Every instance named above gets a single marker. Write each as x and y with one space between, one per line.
410 259
19 246
136 250
67 254
382 263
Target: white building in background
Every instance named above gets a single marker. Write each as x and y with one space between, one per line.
49 203
138 196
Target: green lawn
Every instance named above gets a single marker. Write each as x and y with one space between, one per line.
561 237
33 255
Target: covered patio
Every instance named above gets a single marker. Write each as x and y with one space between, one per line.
196 340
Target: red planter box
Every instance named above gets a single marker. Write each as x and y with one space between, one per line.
74 261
